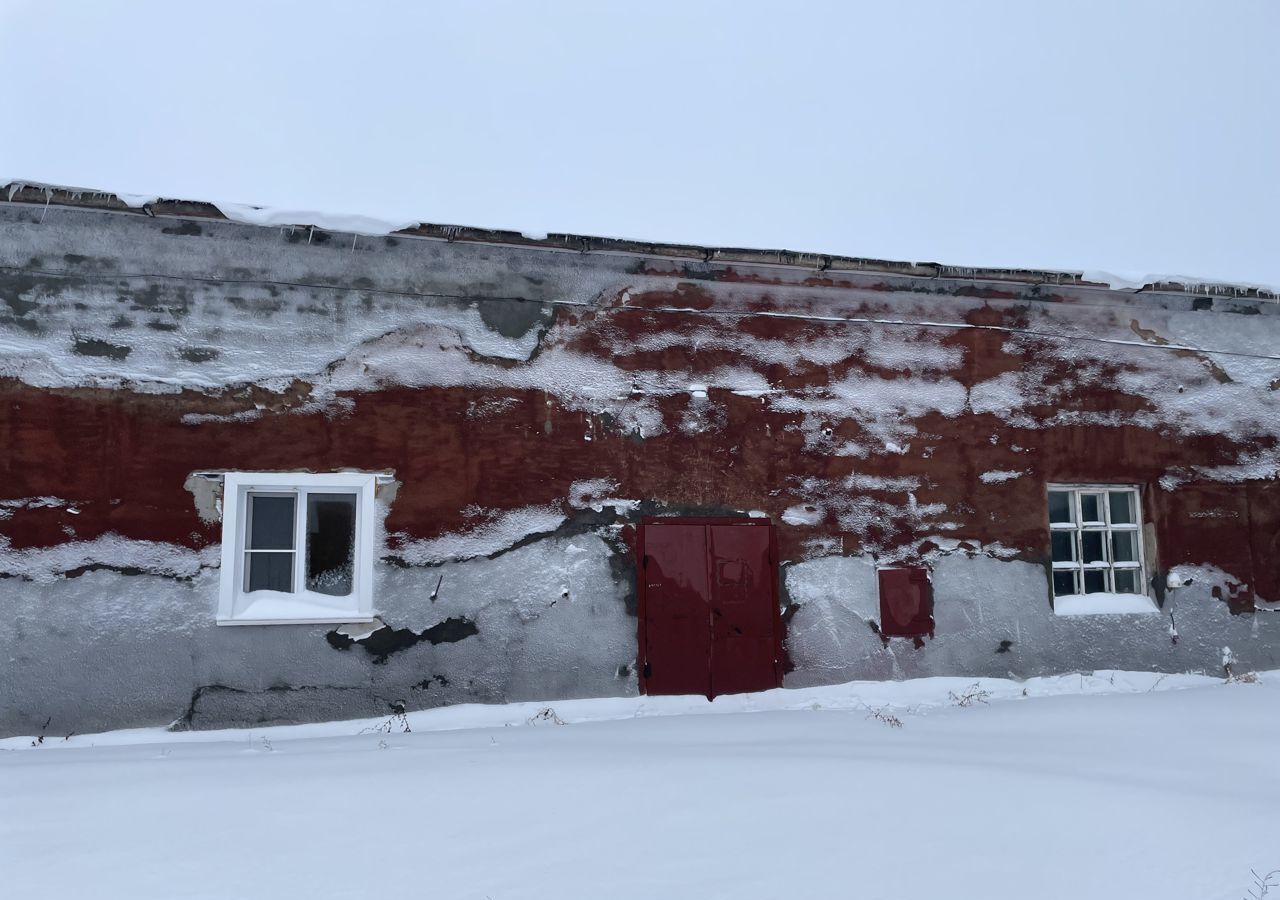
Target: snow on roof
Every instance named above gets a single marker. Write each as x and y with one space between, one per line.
18 191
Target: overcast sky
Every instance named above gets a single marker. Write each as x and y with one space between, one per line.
1116 135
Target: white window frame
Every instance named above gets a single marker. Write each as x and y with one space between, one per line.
265 607
1079 604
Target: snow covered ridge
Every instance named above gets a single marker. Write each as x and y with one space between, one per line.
34 192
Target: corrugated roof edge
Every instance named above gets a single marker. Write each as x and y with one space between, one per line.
43 194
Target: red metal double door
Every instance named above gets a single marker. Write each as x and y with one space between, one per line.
708 604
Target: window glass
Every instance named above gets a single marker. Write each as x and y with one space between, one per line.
269 572
1090 507
1061 509
1091 547
1064 583
270 522
1127 581
269 543
1064 546
1124 546
1122 511
331 535
1095 581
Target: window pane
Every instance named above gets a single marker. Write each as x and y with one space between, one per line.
270 522
1064 584
268 572
1090 507
331 537
1064 546
1095 581
1061 508
1127 581
1122 511
1091 546
1124 546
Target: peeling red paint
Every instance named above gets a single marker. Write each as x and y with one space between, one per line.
121 458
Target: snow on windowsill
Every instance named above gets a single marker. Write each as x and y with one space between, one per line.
1102 604
313 620
308 608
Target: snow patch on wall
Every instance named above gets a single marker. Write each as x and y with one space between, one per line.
532 607
501 530
899 484
1003 395
820 343
804 514
885 407
945 546
1253 465
1000 476
243 415
253 348
7 507
1209 577
837 598
595 494
435 356
1257 335
47 564
875 517
858 514
1182 393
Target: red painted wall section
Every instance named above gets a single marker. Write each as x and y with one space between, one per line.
119 459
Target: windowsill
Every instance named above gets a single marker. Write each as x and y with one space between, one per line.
1102 604
279 608
319 620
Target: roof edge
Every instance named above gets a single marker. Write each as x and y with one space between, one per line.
35 193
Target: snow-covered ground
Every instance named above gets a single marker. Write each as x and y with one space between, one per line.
1117 785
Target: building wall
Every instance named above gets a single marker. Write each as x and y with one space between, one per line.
533 403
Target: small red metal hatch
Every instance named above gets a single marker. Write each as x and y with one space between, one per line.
708 606
906 603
